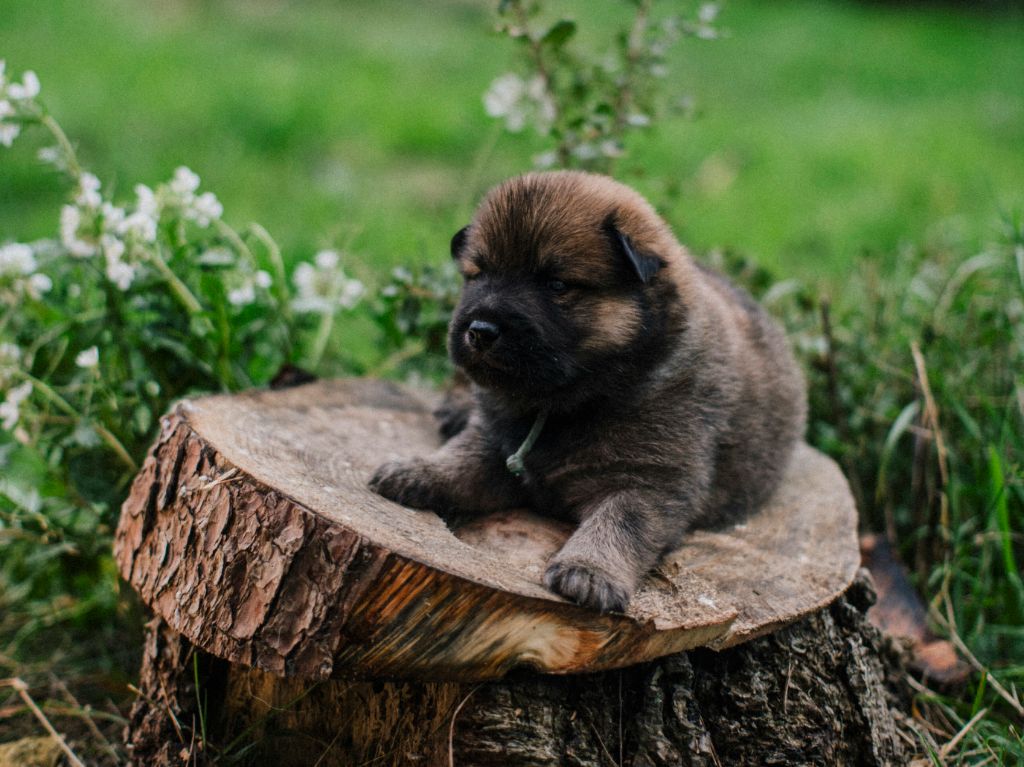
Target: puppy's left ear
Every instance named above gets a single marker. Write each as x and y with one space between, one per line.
644 265
459 241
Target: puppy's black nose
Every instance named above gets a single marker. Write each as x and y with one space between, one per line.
481 334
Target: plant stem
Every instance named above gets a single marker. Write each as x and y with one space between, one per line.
62 140
274 253
537 53
323 334
280 283
105 434
236 240
179 288
224 355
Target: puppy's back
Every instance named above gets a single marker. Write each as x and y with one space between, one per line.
765 393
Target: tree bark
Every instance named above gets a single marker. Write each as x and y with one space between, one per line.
278 580
826 690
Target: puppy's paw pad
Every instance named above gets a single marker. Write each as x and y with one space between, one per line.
587 585
405 482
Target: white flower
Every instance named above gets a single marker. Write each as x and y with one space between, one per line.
585 151
113 216
17 93
37 285
142 222
8 133
113 248
503 97
351 292
28 89
51 155
138 226
88 358
245 293
708 13
88 192
180 192
10 356
10 408
17 259
537 91
327 259
545 159
147 203
204 209
120 273
324 288
518 101
184 183
70 222
611 148
706 16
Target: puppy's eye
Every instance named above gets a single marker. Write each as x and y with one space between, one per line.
557 287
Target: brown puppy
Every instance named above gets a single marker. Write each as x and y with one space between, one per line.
660 395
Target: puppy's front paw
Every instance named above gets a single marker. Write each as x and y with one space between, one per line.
588 585
409 483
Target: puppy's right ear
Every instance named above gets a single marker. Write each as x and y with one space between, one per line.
459 241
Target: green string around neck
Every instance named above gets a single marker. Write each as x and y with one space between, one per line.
515 461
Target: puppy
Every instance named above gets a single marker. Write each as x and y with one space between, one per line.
616 382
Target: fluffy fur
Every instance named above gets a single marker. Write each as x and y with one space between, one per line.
672 397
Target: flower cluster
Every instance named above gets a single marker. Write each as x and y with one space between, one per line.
125 236
323 288
245 284
10 408
18 274
14 396
520 101
587 102
14 98
202 314
180 193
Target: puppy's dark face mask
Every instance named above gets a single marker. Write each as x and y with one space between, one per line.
556 303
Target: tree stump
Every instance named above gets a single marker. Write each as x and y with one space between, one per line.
302 619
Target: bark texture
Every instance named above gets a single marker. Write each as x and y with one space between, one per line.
826 690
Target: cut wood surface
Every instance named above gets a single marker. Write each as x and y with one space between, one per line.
251 532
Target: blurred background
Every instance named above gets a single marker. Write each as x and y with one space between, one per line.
818 131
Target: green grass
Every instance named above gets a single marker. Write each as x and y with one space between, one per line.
824 129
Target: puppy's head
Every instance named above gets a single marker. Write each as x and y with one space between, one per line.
568 292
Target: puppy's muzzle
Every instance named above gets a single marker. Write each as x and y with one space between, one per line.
481 335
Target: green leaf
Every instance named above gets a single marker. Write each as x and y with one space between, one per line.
898 428
143 418
559 34
997 483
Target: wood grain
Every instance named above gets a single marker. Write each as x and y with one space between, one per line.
251 532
